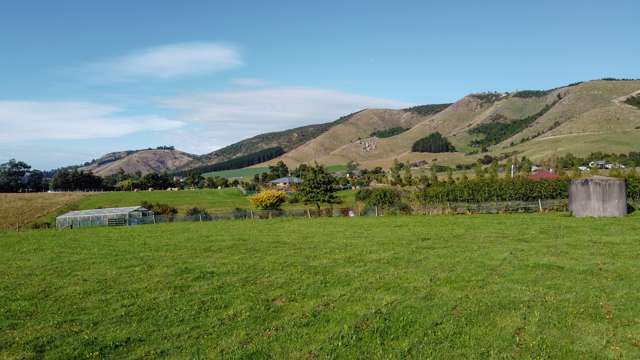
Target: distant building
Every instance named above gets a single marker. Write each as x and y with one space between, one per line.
285 182
598 164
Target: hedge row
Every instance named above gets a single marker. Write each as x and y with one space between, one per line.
484 190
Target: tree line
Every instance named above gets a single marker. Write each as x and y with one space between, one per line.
18 176
238 162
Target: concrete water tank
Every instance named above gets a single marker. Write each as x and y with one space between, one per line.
598 196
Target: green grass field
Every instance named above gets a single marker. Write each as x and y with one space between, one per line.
461 287
237 173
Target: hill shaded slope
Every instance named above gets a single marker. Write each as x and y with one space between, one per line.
144 161
287 140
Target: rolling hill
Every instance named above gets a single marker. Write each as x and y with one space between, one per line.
579 118
599 115
144 161
287 140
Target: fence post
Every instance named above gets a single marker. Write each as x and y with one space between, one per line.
308 213
376 210
540 205
200 216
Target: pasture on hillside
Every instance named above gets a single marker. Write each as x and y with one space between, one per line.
480 286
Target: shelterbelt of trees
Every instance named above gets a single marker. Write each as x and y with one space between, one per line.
487 188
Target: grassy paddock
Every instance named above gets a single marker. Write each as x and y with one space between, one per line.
483 286
21 209
237 173
213 200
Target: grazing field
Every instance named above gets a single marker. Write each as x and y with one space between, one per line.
237 173
213 200
485 286
20 209
249 172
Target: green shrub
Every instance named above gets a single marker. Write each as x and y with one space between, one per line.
159 208
294 198
384 198
434 143
195 211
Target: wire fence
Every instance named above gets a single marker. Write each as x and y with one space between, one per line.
427 209
497 207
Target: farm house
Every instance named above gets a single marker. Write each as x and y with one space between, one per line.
286 182
133 215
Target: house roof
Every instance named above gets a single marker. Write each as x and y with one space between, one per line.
546 175
99 212
286 180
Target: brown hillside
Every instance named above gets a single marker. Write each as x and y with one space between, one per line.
145 161
592 113
354 132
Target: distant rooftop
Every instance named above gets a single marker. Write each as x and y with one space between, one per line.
287 180
107 211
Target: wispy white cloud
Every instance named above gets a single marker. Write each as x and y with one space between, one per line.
249 82
222 118
28 120
170 61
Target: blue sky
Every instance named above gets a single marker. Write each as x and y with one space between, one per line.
81 78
